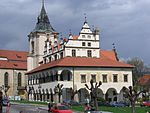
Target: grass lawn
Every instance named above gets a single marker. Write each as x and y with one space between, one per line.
116 109
101 108
29 102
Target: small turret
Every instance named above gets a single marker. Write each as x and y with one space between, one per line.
114 49
96 31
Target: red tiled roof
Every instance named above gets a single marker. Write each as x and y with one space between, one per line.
110 54
144 80
14 55
82 62
15 59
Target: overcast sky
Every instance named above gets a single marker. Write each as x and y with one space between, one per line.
123 22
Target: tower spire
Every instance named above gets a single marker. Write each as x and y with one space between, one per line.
42 2
43 23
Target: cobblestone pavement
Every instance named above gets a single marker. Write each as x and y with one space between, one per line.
26 109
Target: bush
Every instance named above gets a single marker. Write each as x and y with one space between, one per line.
101 99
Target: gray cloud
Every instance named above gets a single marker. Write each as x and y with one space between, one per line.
124 22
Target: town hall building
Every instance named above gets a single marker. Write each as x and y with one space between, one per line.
72 62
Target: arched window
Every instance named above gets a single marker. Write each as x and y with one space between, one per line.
19 79
6 79
32 46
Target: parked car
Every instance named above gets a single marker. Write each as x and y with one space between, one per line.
125 103
74 103
71 103
103 104
145 103
6 102
118 104
61 109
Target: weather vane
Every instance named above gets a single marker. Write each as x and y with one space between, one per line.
43 2
70 33
113 46
85 17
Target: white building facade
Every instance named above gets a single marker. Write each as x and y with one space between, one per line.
73 62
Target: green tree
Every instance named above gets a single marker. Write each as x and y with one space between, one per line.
139 68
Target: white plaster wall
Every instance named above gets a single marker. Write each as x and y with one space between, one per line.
99 72
77 43
82 52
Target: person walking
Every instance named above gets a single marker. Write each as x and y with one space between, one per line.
86 108
49 107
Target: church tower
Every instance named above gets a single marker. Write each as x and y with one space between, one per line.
42 32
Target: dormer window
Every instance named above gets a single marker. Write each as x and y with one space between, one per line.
55 57
83 36
83 43
55 48
73 53
50 51
89 53
61 55
49 59
44 60
55 43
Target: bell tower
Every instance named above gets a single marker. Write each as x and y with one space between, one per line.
43 31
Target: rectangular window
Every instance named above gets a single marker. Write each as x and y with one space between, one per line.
83 36
61 55
115 78
44 60
125 77
89 44
104 78
83 78
89 53
89 36
93 76
73 53
83 43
